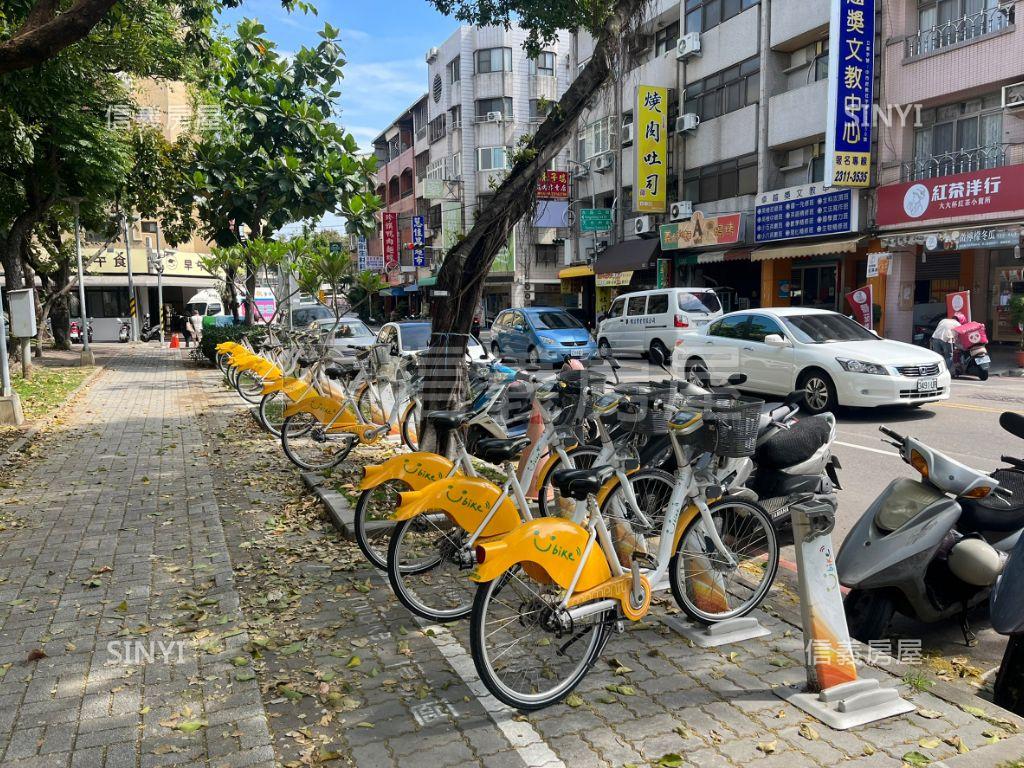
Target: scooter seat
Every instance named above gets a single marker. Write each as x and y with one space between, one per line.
495 450
995 513
338 372
789 447
580 483
448 419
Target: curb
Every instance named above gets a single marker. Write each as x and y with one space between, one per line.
22 442
339 511
1008 751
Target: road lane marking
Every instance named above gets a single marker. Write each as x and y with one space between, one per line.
525 740
981 408
865 448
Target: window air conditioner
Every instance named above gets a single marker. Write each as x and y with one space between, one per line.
627 133
494 117
643 225
604 163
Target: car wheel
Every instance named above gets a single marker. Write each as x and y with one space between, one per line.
532 357
697 373
603 347
819 392
495 350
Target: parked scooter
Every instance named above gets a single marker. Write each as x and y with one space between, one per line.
1006 609
970 355
918 551
149 332
124 333
75 332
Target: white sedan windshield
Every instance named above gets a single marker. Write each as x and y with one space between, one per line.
822 329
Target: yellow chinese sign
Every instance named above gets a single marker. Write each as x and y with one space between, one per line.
176 264
651 142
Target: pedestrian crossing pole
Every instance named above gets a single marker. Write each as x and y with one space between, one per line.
132 308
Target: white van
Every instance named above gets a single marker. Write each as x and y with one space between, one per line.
645 320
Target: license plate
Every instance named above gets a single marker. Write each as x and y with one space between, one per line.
982 360
927 385
577 353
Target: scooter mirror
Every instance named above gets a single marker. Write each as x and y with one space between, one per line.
657 357
736 379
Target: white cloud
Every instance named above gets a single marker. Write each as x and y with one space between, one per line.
374 93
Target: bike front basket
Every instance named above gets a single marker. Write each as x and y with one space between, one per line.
731 423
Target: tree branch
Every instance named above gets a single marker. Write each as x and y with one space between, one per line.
46 33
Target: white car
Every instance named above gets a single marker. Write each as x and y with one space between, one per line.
410 337
829 356
646 320
347 334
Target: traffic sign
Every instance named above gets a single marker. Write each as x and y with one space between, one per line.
595 220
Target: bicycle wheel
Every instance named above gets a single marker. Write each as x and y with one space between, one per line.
271 413
425 568
222 362
410 426
524 654
373 524
370 406
309 446
583 457
249 386
631 531
704 583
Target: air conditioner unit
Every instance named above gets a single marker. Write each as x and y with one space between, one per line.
432 54
494 117
681 210
627 133
643 225
687 123
604 163
1013 96
688 45
580 171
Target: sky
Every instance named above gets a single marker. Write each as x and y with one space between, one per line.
384 44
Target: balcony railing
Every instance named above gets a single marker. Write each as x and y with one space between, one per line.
961 161
960 30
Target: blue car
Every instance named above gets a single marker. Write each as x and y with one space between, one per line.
540 335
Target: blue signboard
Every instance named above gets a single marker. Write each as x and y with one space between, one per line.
362 252
805 212
850 79
419 254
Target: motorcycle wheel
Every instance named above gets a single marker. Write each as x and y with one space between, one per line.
868 614
1009 687
983 374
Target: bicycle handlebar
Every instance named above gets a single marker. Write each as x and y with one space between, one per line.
892 433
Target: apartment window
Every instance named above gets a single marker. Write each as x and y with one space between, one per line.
808 64
540 109
455 116
435 169
957 138
543 65
453 70
725 91
493 60
702 15
455 166
943 23
485 107
547 254
437 128
719 181
596 138
665 39
491 159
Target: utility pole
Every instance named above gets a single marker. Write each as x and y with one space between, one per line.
160 281
132 306
87 356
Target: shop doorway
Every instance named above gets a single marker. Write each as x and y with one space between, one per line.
815 285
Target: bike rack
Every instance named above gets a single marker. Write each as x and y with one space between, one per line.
722 633
833 694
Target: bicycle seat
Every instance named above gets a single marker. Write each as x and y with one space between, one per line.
336 372
995 513
448 419
495 450
580 483
305 362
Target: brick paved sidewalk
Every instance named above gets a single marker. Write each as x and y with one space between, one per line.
113 553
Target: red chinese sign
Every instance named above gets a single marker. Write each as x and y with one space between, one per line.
959 302
553 185
998 190
389 240
861 301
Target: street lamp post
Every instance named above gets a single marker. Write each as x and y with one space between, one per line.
160 281
132 306
87 356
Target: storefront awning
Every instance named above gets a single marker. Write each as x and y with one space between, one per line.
427 282
829 248
580 271
717 257
626 257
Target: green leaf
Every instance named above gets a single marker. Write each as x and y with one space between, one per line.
671 760
916 758
190 726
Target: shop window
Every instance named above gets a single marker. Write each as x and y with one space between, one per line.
106 302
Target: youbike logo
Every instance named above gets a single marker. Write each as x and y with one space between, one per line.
554 548
463 500
417 470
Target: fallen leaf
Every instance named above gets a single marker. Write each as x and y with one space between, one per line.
190 726
768 747
929 714
574 700
671 760
35 654
916 758
807 731
355 661
928 742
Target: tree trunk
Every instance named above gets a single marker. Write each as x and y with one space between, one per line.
467 264
46 33
60 320
250 292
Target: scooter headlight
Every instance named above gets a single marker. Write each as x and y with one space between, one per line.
906 499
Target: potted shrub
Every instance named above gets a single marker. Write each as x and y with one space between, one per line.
1017 316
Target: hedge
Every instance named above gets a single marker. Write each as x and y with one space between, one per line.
217 334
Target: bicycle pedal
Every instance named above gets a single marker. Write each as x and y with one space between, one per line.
645 559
